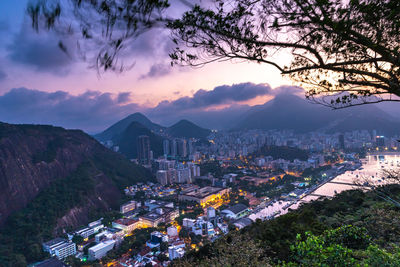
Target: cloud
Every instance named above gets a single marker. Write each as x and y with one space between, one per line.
41 51
4 26
123 97
91 111
204 107
3 75
157 70
224 94
288 90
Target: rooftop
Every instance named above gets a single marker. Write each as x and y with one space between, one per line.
238 208
203 192
126 221
102 245
55 241
244 222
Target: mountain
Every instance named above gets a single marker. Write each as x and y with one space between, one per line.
53 180
187 129
294 113
120 126
127 140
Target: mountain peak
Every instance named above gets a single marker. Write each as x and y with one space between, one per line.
187 129
119 127
184 121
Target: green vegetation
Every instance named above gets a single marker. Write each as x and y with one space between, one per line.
271 189
315 173
50 153
212 167
353 228
282 152
123 172
27 229
344 246
133 244
23 233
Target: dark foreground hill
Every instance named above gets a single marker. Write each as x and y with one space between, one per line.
51 180
353 229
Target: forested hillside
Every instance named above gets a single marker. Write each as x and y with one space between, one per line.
52 181
353 228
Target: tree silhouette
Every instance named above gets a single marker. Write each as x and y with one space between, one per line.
344 53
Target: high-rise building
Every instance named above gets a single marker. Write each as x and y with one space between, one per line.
143 143
174 148
162 177
191 146
182 148
166 147
380 141
341 141
184 176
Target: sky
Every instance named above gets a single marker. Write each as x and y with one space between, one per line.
41 84
37 77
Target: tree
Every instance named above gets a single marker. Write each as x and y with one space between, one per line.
18 260
233 251
344 52
77 239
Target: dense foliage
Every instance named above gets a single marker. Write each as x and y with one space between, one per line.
354 227
50 153
24 231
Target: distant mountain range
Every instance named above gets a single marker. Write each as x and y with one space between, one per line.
183 128
284 112
294 113
125 133
122 125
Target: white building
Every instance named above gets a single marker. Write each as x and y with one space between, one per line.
100 250
188 222
126 224
177 250
172 231
60 248
85 232
126 207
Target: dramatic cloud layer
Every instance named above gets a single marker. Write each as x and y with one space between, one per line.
202 107
93 111
220 95
42 52
90 111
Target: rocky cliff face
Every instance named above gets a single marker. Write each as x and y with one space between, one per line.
32 157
